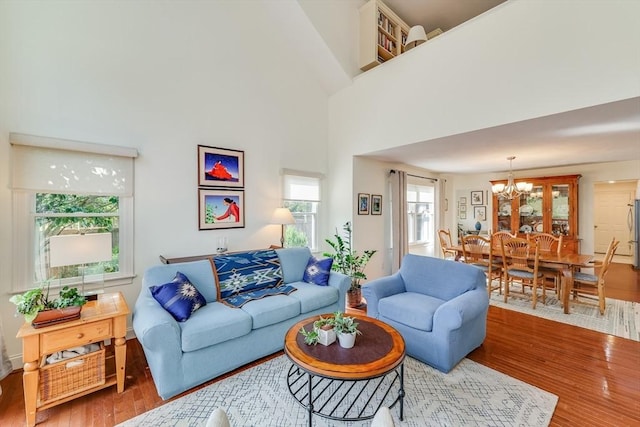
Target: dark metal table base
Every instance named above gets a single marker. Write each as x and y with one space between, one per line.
346 400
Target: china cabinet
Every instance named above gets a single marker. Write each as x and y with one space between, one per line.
550 207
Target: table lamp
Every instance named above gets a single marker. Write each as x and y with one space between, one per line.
282 216
80 249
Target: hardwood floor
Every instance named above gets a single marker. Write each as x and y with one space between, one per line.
596 376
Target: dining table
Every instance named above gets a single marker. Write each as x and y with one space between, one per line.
566 262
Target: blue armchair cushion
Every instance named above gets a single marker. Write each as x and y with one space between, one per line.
317 271
179 297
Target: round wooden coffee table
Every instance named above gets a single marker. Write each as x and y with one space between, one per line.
347 384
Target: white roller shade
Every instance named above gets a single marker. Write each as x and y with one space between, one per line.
301 188
52 165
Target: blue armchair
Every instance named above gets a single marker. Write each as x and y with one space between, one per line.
439 306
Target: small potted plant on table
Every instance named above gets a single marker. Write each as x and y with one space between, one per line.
346 329
39 310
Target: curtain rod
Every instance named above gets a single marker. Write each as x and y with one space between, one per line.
416 176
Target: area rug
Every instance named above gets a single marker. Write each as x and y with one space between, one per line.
621 318
470 395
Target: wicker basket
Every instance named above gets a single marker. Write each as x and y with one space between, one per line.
70 376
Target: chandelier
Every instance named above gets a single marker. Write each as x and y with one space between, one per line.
511 189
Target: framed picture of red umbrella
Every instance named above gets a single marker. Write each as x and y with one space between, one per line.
220 167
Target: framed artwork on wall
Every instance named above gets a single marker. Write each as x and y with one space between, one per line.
463 215
220 167
220 209
376 204
463 208
476 197
363 204
480 213
463 200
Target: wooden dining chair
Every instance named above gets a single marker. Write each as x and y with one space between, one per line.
520 263
476 250
593 284
446 244
549 244
496 243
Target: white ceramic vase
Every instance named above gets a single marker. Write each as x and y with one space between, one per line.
347 340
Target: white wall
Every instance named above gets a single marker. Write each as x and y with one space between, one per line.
520 60
161 77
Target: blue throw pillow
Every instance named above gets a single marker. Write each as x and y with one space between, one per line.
317 271
179 297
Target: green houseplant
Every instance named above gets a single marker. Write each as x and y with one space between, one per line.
346 329
348 261
35 301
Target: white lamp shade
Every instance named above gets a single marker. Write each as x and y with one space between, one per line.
416 36
282 216
75 249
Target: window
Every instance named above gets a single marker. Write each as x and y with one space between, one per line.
302 197
80 188
420 206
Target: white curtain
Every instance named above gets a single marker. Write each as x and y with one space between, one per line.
399 239
5 363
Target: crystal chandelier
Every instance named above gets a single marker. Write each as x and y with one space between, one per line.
511 189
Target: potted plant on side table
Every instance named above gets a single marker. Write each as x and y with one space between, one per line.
347 261
39 310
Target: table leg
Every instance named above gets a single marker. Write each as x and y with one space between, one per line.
120 345
401 392
567 285
310 401
30 384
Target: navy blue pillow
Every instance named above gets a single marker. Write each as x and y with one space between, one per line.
179 297
317 271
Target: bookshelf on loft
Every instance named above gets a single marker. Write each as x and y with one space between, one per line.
382 34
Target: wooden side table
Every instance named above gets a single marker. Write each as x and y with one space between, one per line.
105 318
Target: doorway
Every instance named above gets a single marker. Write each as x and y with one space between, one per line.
613 205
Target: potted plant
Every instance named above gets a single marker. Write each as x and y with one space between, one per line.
349 262
322 332
346 329
38 309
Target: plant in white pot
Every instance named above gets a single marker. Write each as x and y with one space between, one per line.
348 261
346 329
322 332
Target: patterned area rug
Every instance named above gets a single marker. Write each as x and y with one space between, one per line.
470 395
621 318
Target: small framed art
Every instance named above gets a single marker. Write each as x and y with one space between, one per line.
220 167
480 213
476 197
376 204
463 215
220 209
363 204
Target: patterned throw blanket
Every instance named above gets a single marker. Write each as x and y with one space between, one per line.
247 276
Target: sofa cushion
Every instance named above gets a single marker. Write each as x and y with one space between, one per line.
443 280
313 297
268 311
293 262
317 271
213 324
179 297
412 309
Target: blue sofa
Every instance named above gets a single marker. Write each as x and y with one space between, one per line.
217 338
439 306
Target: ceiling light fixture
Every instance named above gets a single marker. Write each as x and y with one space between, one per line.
512 189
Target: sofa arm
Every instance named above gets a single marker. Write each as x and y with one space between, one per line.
155 328
380 288
456 312
343 283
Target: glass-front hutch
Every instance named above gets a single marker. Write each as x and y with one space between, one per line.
550 207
